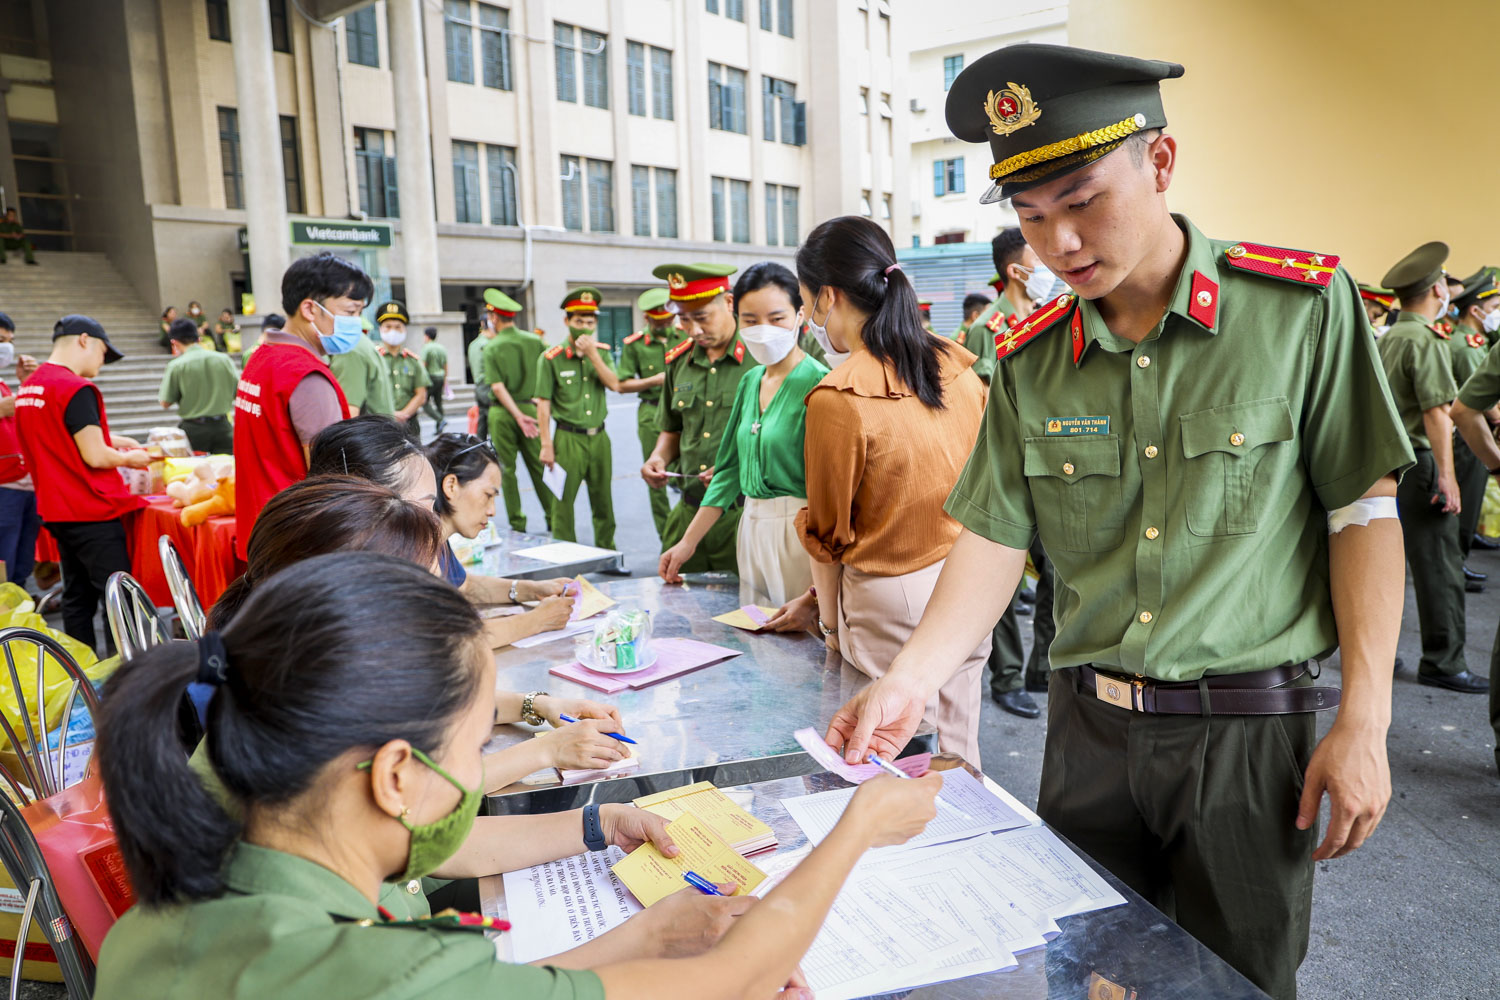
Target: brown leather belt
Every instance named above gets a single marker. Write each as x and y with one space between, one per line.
1263 692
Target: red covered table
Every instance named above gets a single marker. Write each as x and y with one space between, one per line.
207 550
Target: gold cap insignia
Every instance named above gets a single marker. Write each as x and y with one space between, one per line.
586 297
675 280
1011 109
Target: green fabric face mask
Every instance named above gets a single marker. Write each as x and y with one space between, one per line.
436 842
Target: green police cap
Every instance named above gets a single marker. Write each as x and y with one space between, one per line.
582 300
1047 110
392 310
497 300
653 300
1478 287
1418 270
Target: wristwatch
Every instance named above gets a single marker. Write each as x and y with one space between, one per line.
824 628
528 709
593 830
513 598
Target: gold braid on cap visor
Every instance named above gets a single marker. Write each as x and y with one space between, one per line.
1110 134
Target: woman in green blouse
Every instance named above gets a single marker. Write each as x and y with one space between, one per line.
351 745
760 456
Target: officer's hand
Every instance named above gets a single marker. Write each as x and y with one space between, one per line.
670 567
627 828
1350 764
587 344
689 923
881 717
137 458
550 615
796 615
1447 496
529 427
583 746
654 472
549 456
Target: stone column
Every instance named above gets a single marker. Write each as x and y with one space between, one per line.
260 149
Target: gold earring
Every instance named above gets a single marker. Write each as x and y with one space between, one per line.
405 812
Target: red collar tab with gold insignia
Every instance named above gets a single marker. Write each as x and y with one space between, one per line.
999 321
1028 329
739 351
1445 326
554 352
450 918
582 302
1312 269
1475 339
680 350
679 289
1443 330
1203 300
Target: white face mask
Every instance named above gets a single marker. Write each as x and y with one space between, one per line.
768 343
820 334
393 338
1039 282
1447 301
8 354
1491 323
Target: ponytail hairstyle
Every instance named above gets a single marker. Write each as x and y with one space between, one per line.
313 669
463 455
372 446
857 257
329 514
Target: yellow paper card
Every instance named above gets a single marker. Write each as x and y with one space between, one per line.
653 876
741 618
591 600
715 809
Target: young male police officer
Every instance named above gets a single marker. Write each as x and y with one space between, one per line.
409 379
1478 307
1201 433
643 368
508 369
703 372
65 440
201 382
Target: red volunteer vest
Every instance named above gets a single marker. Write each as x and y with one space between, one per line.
268 452
11 465
67 488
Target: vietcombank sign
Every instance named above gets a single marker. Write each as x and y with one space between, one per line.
341 234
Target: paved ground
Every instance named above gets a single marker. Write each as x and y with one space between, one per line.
1413 914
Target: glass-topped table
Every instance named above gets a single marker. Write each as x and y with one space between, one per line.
734 718
1130 952
502 558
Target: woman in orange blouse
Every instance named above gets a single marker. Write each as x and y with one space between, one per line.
888 431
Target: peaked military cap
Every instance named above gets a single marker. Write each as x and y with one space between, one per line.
392 310
690 285
501 303
583 299
653 302
1478 287
1420 269
1047 110
1379 295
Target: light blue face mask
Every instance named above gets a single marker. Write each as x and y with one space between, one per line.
346 332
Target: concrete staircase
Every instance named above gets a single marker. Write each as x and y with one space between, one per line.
36 297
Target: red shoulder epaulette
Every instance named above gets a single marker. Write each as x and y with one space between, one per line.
1437 328
634 337
679 350
554 352
1445 325
1027 330
408 354
739 351
997 322
1300 266
1475 339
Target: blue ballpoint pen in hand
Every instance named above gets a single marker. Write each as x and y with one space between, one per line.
700 883
614 736
892 769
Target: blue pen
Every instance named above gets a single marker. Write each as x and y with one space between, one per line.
892 769
615 736
700 883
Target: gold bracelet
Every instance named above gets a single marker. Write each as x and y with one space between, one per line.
528 709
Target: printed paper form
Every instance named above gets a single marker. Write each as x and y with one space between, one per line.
562 904
558 553
653 876
975 812
571 629
956 881
1040 872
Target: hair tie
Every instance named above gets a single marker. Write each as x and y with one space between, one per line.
213 661
887 275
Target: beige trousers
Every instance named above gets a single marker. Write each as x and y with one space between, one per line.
877 615
772 559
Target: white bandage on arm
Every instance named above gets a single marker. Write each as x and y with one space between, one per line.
1361 512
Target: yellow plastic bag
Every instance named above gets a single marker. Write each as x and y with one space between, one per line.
1489 515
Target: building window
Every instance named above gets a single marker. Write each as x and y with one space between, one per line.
885 207
781 215
291 164
494 46
767 15
661 84
572 193
360 37
947 177
595 52
864 100
567 71
784 17
460 39
377 174
666 202
640 200
773 214
734 9
218 19
944 238
791 232
466 182
281 33
712 6
864 204
716 186
952 66
782 117
726 98
229 158
739 211
500 161
601 176
635 78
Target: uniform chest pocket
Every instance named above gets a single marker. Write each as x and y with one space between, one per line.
1224 448
683 396
1075 489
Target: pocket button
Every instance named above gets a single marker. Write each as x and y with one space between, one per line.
1236 439
1067 468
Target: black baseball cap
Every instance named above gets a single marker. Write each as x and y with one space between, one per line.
75 324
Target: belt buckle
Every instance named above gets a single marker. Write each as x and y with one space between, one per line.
1116 691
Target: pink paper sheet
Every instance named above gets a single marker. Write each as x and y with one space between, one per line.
831 760
674 658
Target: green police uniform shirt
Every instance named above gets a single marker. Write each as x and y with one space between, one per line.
761 454
406 373
435 360
362 375
1419 368
698 396
511 359
643 355
476 356
567 378
201 382
980 339
1467 349
287 927
1181 486
1482 389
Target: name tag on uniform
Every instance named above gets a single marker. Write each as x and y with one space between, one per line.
1076 426
568 374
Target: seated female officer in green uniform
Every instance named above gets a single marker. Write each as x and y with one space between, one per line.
354 750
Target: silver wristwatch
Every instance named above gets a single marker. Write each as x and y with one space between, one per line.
528 709
513 598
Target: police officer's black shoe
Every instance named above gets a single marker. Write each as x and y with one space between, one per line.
1017 703
1465 681
1483 542
1470 574
1473 587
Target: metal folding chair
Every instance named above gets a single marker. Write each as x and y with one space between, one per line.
184 595
23 862
133 619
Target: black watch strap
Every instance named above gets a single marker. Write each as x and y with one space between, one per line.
593 831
